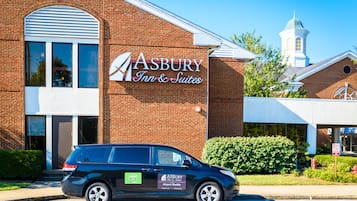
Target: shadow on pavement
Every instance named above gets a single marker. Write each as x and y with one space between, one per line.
243 197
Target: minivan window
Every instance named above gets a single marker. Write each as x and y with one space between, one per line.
137 155
94 154
169 157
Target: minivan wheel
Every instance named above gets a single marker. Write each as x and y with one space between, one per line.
98 192
209 191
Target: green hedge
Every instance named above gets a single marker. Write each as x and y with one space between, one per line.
21 164
327 159
251 155
326 170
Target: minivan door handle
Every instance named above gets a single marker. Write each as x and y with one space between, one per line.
157 169
145 169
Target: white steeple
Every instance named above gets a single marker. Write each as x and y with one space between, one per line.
293 43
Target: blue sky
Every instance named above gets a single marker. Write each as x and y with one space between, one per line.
332 23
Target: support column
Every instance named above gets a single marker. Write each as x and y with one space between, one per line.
311 138
336 135
74 131
48 142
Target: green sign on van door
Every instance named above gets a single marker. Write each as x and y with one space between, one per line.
133 178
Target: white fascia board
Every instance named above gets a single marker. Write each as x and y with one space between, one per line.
201 36
294 86
199 33
322 66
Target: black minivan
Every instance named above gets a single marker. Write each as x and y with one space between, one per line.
103 172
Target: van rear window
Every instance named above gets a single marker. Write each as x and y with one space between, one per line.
94 154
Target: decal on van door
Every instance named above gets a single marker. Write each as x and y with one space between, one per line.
133 178
171 182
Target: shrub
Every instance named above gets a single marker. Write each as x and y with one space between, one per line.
20 164
251 155
329 175
326 160
327 171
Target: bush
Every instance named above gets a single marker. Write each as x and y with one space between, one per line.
251 155
328 174
327 171
326 160
20 164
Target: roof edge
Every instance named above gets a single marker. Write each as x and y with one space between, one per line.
322 66
201 36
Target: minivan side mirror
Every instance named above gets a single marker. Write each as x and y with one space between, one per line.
187 163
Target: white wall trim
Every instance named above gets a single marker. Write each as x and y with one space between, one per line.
49 142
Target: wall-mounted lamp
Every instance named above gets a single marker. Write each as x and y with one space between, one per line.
197 109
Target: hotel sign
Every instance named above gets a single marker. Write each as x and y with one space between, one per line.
162 70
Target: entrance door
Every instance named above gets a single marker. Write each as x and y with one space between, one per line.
349 143
61 140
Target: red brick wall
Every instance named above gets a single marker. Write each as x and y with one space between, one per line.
325 83
226 97
129 112
11 89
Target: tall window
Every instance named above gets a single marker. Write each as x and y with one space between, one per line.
87 66
62 65
35 64
298 44
87 130
35 132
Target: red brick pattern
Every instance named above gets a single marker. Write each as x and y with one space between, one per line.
325 83
129 112
226 97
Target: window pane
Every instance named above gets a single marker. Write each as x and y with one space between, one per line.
35 64
168 157
87 130
61 65
298 44
131 155
88 66
96 154
35 125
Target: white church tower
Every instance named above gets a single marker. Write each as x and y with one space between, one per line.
293 43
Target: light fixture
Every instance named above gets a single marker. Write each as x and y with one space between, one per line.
197 109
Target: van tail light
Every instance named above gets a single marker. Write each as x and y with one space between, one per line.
68 167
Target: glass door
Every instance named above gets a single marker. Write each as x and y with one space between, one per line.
61 140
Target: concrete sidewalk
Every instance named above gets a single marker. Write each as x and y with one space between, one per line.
52 191
303 191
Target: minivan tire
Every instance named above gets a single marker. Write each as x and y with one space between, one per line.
98 192
209 191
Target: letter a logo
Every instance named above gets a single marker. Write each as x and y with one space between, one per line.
120 69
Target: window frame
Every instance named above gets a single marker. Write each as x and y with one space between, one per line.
48 52
298 44
79 67
115 148
28 82
28 137
183 155
79 128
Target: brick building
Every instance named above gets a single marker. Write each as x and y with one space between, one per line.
104 71
332 78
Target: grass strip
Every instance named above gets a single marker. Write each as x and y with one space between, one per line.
12 185
281 179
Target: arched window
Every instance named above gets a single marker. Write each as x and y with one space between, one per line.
298 44
289 44
345 93
62 40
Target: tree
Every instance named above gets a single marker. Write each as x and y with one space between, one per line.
261 76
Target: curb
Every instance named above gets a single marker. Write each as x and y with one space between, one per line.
241 197
45 198
294 197
307 197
